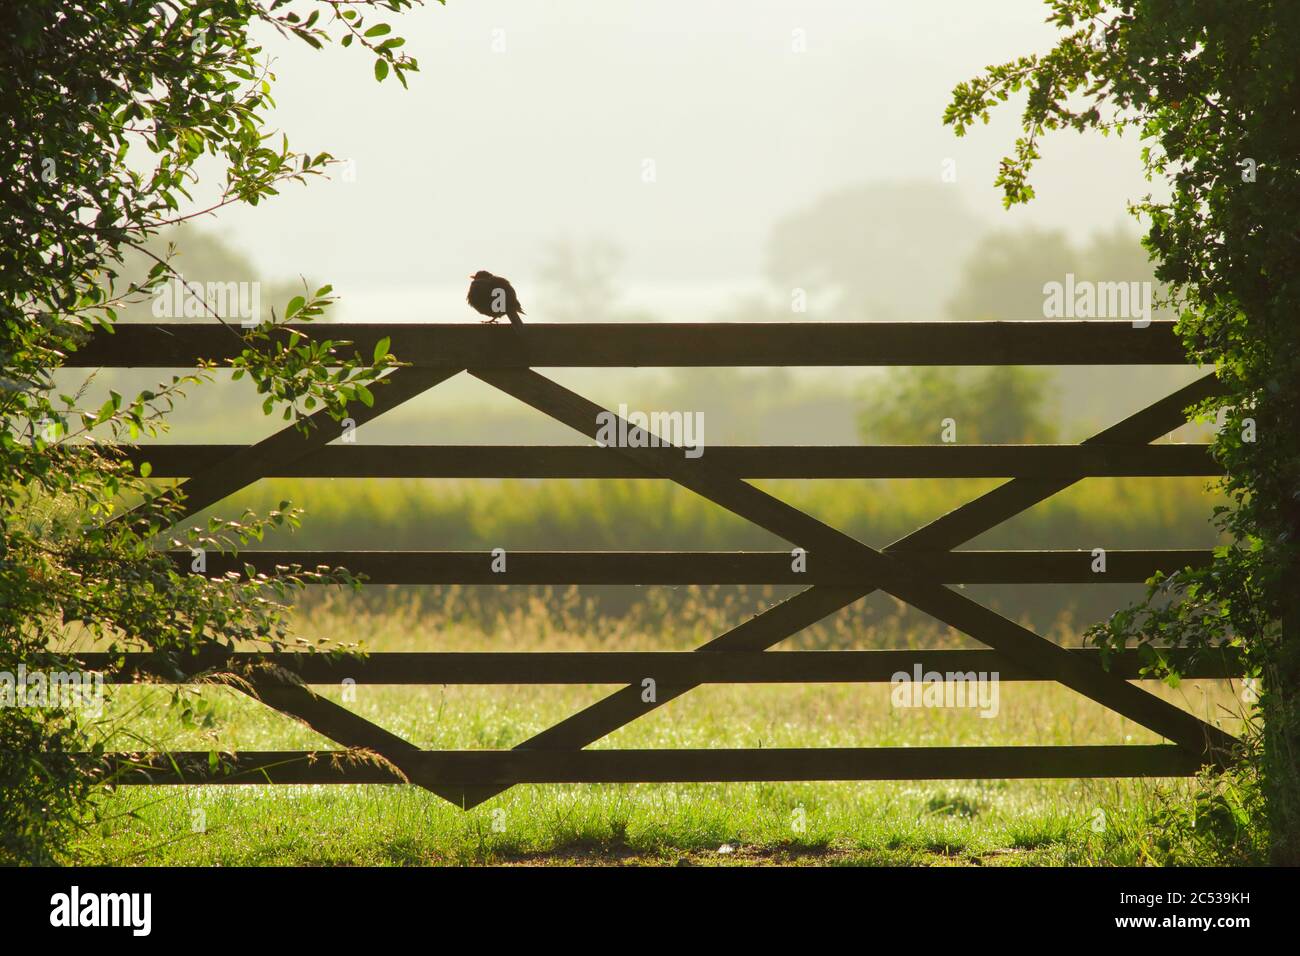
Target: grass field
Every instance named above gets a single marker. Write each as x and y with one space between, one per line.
985 822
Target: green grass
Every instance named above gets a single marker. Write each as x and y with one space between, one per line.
1016 823
906 823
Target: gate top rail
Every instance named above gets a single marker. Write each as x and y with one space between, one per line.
678 344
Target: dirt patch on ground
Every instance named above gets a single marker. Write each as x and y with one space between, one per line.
742 855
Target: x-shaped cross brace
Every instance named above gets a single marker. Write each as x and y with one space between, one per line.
909 578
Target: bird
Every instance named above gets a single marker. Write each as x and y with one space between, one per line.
494 297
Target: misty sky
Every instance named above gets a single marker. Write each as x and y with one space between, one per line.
490 155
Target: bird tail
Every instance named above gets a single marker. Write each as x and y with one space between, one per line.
514 317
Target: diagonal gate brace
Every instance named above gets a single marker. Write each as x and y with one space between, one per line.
778 622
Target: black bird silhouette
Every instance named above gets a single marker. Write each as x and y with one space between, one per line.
494 297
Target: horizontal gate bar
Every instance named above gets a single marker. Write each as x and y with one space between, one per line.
747 461
682 344
703 567
495 767
631 667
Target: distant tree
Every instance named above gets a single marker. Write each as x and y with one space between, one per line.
993 405
579 279
199 256
1004 275
875 252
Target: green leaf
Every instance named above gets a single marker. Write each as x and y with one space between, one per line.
363 393
146 469
378 30
381 348
381 69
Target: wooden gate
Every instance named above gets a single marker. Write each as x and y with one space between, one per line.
840 570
